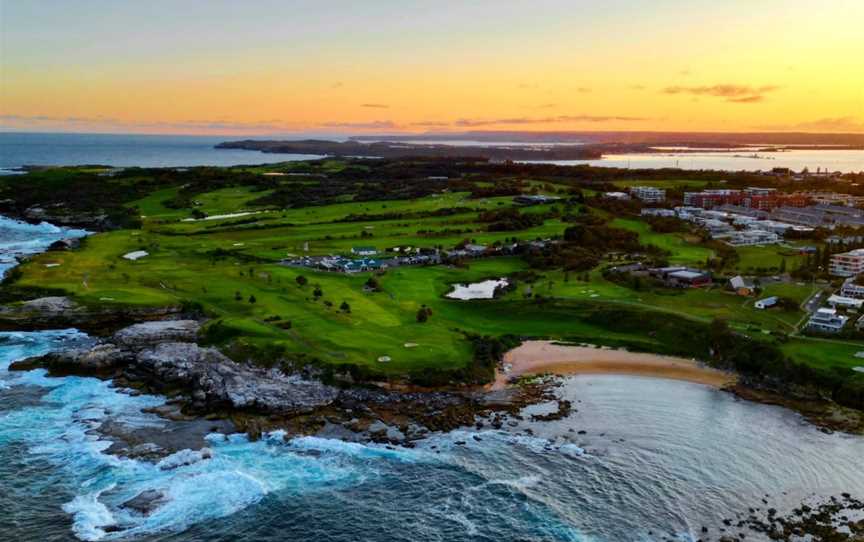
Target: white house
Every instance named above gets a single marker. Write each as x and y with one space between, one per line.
827 321
845 302
766 303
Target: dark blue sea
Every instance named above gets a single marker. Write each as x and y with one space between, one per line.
125 150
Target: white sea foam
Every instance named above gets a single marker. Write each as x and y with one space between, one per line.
90 516
183 458
198 485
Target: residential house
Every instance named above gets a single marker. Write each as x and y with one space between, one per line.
827 320
766 303
852 289
845 302
740 286
681 277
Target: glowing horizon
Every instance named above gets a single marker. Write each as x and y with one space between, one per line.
259 68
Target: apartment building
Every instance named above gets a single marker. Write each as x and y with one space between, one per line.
847 264
648 194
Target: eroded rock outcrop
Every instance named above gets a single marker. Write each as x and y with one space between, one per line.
216 380
150 333
212 381
59 312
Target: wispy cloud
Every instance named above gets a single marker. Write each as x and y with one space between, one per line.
431 124
102 122
830 124
376 106
747 99
473 123
370 125
742 94
584 90
78 123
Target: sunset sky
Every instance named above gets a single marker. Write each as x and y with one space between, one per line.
275 67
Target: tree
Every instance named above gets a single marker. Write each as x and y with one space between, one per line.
782 266
238 296
423 314
301 280
318 292
345 307
372 284
252 299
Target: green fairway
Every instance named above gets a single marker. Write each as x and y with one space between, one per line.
672 183
683 249
230 267
825 353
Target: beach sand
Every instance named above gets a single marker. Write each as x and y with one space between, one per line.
537 357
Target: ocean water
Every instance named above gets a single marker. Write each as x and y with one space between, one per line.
126 150
846 161
21 239
659 460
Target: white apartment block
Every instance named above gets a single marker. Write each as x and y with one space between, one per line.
847 264
746 238
648 194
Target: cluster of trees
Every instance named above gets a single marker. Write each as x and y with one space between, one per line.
583 247
724 255
510 219
667 224
567 256
396 215
602 238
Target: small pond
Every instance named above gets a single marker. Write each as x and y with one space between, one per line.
476 290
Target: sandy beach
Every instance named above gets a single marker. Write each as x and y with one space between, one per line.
537 357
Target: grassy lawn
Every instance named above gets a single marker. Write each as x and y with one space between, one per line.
766 258
230 267
824 353
685 183
684 250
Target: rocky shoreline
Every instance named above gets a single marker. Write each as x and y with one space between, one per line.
162 357
822 413
208 392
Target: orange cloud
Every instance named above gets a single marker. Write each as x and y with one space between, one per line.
371 125
472 123
742 94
